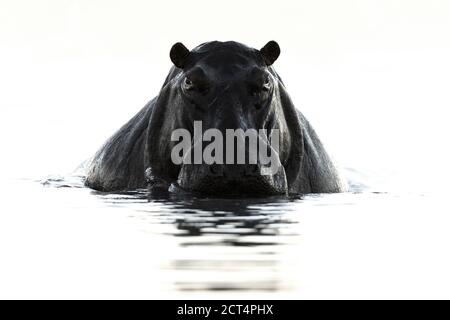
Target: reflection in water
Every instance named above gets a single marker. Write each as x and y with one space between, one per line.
223 244
371 243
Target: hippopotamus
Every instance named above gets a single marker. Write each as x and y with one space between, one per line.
223 85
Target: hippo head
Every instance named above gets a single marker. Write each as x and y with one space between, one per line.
237 123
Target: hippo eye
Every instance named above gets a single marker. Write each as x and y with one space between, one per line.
266 84
188 84
261 87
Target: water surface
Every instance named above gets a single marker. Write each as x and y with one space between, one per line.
60 239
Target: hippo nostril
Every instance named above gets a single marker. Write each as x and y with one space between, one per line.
215 169
252 170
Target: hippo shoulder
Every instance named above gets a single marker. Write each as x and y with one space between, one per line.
115 165
320 174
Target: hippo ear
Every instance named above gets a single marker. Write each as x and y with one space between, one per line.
270 52
179 54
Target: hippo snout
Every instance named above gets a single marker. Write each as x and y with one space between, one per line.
222 179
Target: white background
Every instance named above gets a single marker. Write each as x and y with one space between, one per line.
373 77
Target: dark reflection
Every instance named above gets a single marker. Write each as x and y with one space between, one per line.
233 244
269 285
197 216
253 229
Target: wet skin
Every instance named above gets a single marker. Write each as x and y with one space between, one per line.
226 85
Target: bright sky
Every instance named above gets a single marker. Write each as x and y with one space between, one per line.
371 76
